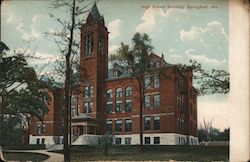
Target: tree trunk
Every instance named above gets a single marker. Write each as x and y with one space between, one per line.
67 89
66 113
141 90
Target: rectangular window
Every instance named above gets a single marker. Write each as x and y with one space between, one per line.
37 141
147 82
109 125
156 123
147 102
128 125
85 107
128 107
119 106
44 128
156 82
118 125
147 140
39 128
86 91
90 108
101 44
156 101
127 141
91 91
43 141
156 140
118 141
89 44
147 123
109 107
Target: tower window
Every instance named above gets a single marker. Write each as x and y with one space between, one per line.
101 44
89 43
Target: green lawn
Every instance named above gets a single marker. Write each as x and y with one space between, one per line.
163 153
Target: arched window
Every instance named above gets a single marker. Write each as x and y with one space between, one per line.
118 92
109 94
128 92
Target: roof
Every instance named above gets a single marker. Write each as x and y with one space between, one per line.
95 14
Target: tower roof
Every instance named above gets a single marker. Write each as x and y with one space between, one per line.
95 14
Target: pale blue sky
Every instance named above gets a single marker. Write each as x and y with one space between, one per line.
181 33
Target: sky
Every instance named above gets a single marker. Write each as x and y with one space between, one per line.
180 30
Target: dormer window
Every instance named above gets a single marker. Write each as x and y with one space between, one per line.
89 43
115 73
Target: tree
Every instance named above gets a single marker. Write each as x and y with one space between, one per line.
21 90
208 82
68 46
136 59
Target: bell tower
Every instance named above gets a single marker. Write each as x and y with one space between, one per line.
93 62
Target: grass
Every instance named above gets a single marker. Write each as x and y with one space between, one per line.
163 153
24 156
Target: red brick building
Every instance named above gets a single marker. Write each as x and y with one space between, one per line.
106 101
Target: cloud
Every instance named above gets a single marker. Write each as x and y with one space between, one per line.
195 33
171 50
204 58
149 18
113 48
35 28
114 28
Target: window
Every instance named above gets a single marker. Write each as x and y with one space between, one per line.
156 82
156 101
147 82
109 125
128 106
147 102
118 141
90 108
156 123
91 91
89 43
109 107
156 140
109 94
73 99
128 92
43 141
37 141
118 92
85 107
118 125
147 140
39 128
115 73
119 106
127 141
86 91
147 123
44 128
101 44
157 64
128 125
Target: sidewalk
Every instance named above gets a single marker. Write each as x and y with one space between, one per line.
53 157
